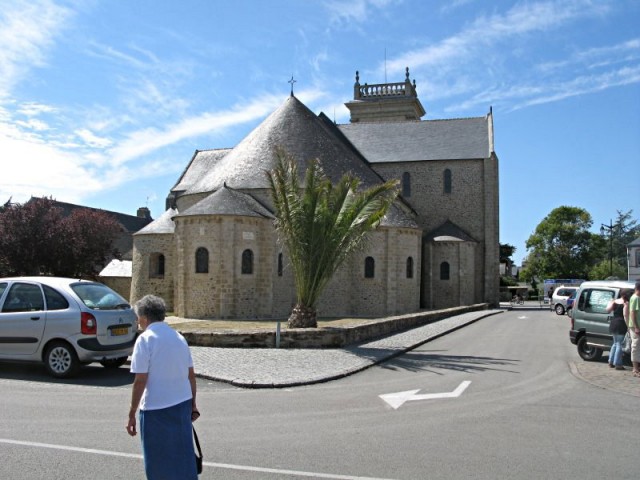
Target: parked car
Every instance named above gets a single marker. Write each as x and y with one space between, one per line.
559 298
64 323
589 318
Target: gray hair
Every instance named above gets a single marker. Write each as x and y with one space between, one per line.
151 307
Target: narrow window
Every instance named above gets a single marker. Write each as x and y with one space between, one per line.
202 260
638 258
444 271
447 181
406 184
410 267
247 262
369 267
161 265
280 264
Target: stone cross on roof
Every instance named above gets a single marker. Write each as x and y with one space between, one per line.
292 81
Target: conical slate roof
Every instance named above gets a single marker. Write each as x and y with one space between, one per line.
163 224
302 134
449 232
227 201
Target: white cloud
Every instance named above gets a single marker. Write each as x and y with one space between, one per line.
349 11
93 140
27 30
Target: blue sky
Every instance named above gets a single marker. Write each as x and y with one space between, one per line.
103 103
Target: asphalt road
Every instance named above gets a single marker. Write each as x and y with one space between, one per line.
519 413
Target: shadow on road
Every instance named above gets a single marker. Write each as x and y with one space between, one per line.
93 375
420 361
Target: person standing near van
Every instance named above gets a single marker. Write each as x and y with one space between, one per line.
634 329
618 327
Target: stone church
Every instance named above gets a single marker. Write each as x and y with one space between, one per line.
214 252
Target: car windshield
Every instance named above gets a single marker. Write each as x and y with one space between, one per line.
98 296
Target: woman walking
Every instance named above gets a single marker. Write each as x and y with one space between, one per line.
164 389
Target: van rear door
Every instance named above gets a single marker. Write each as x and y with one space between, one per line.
593 316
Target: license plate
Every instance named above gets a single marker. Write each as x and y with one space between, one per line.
119 331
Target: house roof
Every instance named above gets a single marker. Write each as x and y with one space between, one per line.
302 134
227 201
454 139
163 224
117 268
131 223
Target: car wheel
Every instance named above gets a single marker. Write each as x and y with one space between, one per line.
568 312
587 352
114 362
559 309
60 360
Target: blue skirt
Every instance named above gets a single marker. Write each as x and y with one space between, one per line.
167 443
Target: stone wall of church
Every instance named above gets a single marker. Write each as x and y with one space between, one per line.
224 291
389 291
472 204
460 288
145 279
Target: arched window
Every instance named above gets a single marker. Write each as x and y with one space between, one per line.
202 260
247 262
409 267
369 267
406 184
156 265
444 271
280 264
447 181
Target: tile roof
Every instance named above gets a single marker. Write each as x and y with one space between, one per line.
449 232
163 224
454 139
302 134
201 163
227 201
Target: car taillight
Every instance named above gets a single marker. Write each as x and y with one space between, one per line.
88 324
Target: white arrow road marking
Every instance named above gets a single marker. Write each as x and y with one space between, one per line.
522 317
396 400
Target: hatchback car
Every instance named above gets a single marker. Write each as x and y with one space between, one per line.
64 323
559 298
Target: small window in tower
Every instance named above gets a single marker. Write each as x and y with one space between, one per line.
406 184
444 271
410 267
447 181
202 260
247 262
369 267
280 264
156 265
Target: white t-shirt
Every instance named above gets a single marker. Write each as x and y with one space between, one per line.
164 355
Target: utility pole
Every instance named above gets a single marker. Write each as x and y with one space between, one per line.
609 228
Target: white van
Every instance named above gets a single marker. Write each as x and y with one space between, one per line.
589 317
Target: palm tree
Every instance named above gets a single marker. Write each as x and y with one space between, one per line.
321 224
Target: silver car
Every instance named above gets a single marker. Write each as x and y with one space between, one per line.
64 323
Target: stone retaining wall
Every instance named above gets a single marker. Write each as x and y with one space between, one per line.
324 337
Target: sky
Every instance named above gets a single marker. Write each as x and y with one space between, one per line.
103 103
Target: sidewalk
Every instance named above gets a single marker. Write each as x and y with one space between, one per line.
277 368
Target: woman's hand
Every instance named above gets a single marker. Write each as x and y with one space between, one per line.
195 414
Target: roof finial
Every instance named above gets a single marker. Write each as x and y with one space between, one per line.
292 81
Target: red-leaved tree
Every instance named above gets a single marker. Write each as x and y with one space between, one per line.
36 238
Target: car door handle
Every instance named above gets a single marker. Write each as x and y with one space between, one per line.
35 318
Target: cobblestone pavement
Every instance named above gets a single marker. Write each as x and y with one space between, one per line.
273 368
600 375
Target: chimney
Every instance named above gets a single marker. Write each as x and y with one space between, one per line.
144 212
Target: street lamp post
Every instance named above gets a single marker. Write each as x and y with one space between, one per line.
609 228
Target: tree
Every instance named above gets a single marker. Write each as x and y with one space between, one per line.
562 245
37 238
614 243
321 224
